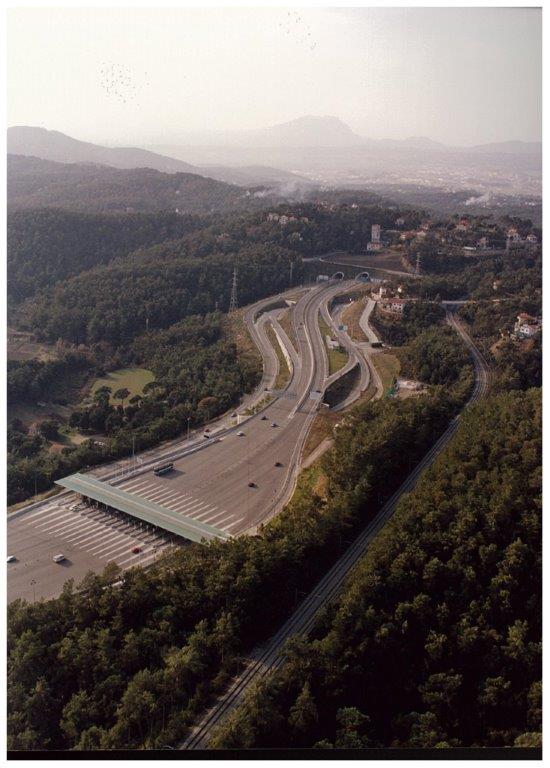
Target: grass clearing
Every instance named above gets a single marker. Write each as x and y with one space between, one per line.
388 367
285 321
234 328
283 375
337 358
133 379
321 428
351 316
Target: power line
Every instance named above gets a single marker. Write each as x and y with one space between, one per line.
233 299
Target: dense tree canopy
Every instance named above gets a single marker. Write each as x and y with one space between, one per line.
437 638
127 666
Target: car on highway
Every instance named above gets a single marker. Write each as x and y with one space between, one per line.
278 463
251 485
264 418
59 558
11 559
274 424
240 434
206 436
136 550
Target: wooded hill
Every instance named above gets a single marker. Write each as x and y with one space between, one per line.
437 639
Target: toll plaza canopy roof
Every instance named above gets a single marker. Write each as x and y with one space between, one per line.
141 509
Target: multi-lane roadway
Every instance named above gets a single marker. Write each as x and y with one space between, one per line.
234 476
267 658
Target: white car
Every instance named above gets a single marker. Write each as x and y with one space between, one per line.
240 434
11 559
59 558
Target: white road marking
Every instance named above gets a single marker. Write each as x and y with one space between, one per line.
43 523
207 512
97 536
165 496
132 484
209 520
65 526
185 498
84 531
100 543
220 523
41 513
198 506
235 523
122 541
73 528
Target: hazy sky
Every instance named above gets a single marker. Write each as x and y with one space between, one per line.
462 76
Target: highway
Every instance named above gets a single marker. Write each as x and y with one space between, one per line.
234 479
267 658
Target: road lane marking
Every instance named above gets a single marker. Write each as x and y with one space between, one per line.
98 536
209 520
41 525
235 523
165 496
133 483
65 526
57 511
199 506
109 547
195 505
85 531
220 523
174 505
114 536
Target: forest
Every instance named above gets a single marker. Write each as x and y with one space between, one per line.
436 640
199 374
47 246
130 665
85 187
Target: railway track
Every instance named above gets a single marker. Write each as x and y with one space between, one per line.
269 657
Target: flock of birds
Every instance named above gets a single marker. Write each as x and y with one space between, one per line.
293 24
119 82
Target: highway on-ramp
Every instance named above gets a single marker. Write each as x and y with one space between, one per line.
233 477
267 658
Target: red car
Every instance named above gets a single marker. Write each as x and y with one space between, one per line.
136 550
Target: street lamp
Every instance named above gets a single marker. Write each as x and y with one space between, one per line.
188 425
33 585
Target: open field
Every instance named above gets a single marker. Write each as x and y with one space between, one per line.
336 358
33 414
133 379
283 376
234 328
285 321
21 346
388 367
388 259
351 316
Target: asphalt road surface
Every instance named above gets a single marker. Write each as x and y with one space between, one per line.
267 658
229 480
